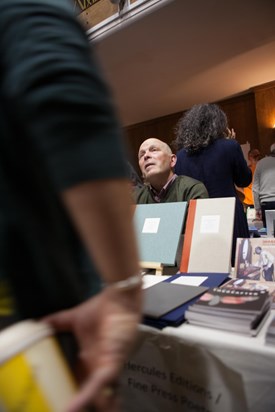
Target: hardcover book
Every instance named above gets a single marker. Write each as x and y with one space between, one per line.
158 229
163 297
208 235
255 259
177 316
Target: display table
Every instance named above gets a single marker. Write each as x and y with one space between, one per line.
192 368
249 356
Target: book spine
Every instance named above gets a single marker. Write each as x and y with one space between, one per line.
188 235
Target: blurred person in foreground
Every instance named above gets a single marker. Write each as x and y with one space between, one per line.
65 190
206 152
157 162
264 185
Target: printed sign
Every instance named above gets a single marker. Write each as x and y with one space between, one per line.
166 374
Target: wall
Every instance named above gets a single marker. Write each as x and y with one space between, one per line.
161 128
251 114
265 114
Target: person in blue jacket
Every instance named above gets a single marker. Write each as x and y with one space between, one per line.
207 152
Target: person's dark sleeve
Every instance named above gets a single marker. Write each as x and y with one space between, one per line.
55 91
242 174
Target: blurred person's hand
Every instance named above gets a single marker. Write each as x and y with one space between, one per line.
105 328
230 133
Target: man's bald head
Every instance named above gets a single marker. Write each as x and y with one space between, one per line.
157 142
156 162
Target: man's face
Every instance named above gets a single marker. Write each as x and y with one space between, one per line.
155 158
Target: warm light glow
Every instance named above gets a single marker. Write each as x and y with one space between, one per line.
270 121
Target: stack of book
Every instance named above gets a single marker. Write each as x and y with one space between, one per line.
242 311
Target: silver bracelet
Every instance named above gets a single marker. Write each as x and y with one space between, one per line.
131 282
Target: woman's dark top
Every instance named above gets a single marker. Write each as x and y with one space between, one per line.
220 166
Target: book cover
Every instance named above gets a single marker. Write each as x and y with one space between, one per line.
164 297
177 315
209 228
158 229
240 301
250 284
255 259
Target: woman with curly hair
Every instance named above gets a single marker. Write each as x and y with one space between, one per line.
208 152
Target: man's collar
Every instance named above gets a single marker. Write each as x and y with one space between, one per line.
158 196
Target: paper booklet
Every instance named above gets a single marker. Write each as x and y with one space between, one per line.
255 258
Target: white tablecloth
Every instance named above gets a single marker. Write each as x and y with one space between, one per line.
196 369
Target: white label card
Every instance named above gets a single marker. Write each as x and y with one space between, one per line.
190 280
210 224
150 280
151 225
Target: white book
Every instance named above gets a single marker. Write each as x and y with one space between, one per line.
208 236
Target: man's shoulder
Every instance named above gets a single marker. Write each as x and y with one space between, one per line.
190 188
141 194
187 180
268 160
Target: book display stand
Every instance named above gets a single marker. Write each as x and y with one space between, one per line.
152 266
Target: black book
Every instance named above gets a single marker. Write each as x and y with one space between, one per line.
164 297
